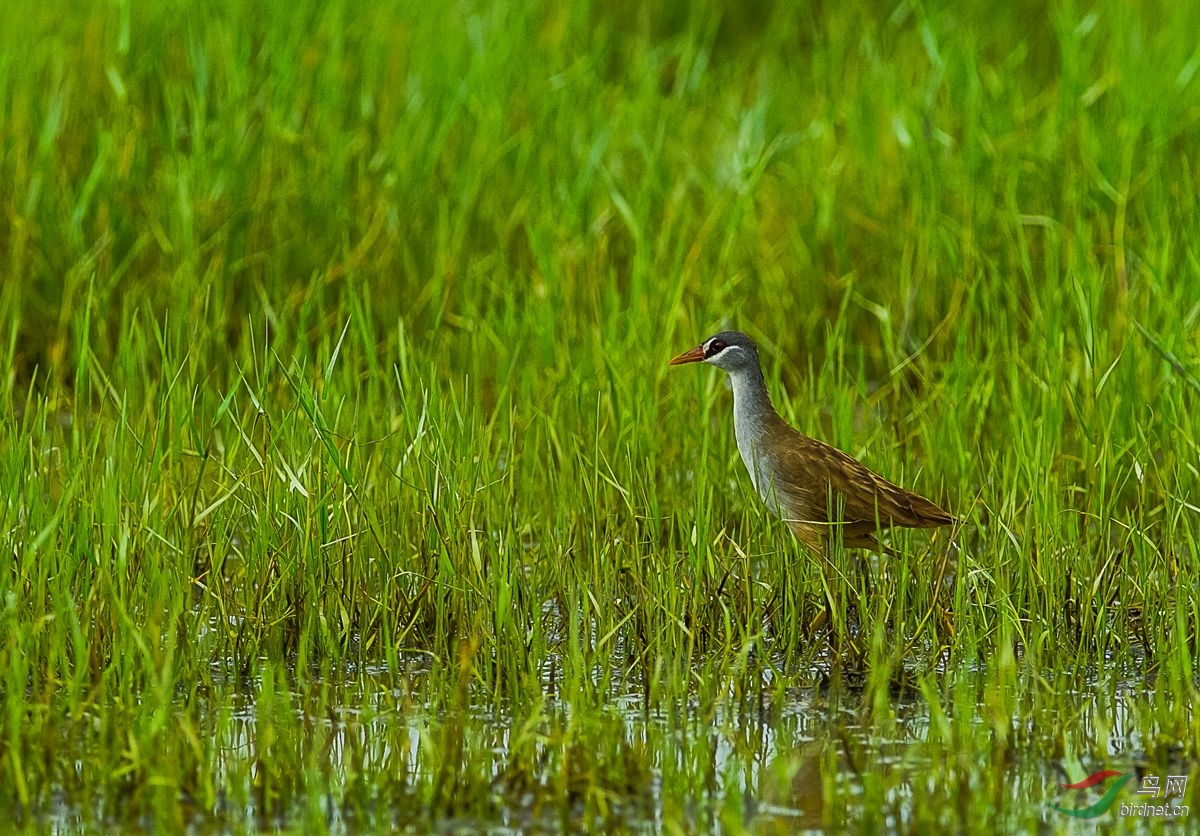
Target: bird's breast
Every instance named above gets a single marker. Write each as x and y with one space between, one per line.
758 463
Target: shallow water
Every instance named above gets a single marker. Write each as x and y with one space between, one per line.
361 750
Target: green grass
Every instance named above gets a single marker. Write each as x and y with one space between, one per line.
345 485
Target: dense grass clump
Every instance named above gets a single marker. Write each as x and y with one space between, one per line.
345 484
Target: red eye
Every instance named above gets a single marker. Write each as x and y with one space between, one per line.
715 347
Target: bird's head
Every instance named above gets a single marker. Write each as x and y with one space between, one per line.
732 351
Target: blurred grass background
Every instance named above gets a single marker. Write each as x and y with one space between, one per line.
336 334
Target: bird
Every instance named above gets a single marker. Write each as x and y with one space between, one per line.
821 492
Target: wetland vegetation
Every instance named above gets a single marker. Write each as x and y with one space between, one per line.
345 485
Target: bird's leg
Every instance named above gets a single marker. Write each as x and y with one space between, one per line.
944 625
844 621
830 614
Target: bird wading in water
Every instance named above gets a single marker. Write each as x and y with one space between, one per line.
823 494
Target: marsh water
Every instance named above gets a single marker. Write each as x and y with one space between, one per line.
364 747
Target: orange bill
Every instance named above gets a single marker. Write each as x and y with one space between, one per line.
692 355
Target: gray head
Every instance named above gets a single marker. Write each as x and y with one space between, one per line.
732 351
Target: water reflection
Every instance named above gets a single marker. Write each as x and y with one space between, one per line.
378 745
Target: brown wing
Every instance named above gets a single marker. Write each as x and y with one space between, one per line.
813 472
